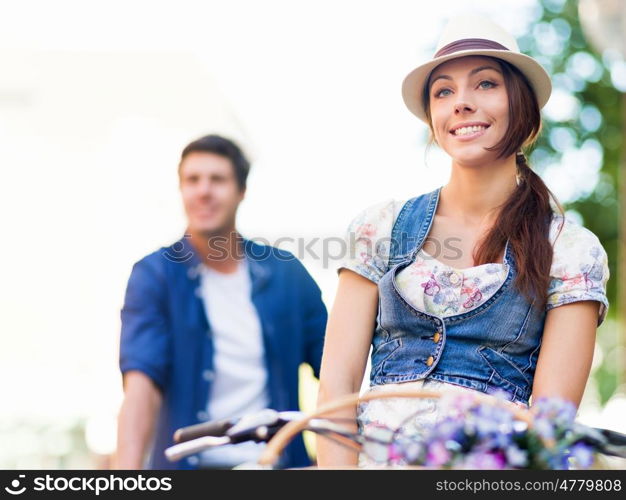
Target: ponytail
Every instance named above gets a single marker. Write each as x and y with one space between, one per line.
524 220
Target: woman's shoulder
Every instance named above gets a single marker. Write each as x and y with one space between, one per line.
568 236
377 219
368 239
577 251
580 269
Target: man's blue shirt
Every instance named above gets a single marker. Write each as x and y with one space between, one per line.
166 335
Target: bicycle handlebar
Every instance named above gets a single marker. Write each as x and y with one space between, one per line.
258 427
213 428
263 425
261 432
182 450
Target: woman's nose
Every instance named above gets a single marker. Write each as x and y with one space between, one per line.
463 106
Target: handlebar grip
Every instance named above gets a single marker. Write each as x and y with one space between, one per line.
213 428
614 437
182 450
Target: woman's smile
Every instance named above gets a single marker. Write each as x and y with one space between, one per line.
468 132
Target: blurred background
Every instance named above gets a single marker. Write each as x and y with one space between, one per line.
98 99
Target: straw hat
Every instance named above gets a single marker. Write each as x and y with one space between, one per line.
472 35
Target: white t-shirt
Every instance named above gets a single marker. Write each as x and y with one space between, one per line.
239 377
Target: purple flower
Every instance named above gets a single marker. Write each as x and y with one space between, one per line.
412 451
501 439
396 454
496 414
484 461
479 435
500 394
448 429
485 427
561 411
543 428
557 460
437 454
583 455
516 457
457 404
464 402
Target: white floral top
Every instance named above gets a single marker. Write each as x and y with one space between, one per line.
579 269
579 272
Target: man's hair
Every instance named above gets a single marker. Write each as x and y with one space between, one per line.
223 147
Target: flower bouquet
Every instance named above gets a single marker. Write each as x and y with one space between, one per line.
474 434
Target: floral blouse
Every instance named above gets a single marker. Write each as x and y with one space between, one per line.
579 272
579 268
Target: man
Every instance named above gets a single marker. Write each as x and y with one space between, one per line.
214 326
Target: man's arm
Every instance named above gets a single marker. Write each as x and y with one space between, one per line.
136 420
315 318
145 353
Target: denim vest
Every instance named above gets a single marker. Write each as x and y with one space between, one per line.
491 348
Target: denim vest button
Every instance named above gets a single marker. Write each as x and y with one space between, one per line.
202 415
193 461
430 361
436 337
208 375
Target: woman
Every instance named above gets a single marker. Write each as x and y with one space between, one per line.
481 285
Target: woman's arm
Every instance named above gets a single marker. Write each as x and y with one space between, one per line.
566 351
349 333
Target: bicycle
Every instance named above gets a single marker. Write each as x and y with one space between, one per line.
278 428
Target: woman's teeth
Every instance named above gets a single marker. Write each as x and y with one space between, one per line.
469 130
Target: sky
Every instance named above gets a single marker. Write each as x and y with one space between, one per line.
97 99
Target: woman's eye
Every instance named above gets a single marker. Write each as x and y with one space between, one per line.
442 93
486 84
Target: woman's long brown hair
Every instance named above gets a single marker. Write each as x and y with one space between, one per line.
525 217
